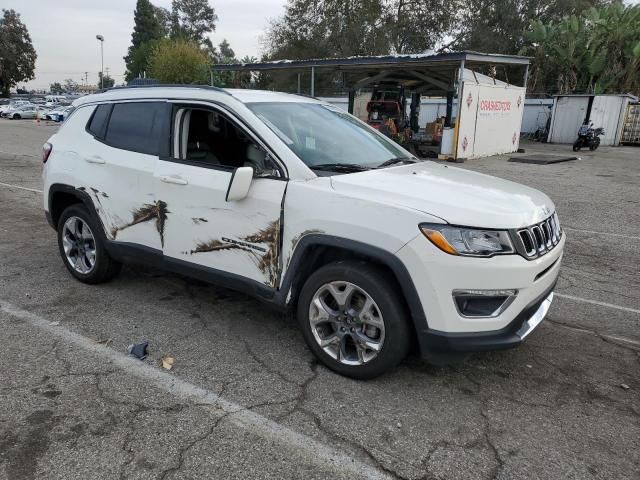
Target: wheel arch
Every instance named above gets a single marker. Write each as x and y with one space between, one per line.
316 250
62 196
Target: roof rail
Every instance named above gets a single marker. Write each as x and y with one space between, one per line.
165 85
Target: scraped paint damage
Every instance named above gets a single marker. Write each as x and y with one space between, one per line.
294 243
149 211
265 259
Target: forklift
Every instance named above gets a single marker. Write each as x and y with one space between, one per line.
387 112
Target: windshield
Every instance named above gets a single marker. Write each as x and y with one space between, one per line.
324 135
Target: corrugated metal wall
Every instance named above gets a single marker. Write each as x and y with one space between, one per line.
568 114
569 111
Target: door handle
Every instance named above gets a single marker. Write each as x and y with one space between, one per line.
173 179
95 159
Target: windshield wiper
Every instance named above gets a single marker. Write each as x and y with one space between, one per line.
339 167
394 161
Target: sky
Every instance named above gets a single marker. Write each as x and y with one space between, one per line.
64 32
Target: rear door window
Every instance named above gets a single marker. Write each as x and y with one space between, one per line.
136 126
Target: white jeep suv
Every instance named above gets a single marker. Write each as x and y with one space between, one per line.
307 208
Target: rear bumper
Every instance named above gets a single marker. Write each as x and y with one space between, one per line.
433 342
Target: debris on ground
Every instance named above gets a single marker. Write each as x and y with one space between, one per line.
167 362
529 366
54 324
624 386
139 350
106 342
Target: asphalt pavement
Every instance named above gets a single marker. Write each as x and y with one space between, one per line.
246 399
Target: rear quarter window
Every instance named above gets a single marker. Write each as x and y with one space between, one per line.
98 121
136 126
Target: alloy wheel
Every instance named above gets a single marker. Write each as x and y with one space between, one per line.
79 245
346 323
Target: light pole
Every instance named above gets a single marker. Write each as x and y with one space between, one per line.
101 38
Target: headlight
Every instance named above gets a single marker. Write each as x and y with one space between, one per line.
470 242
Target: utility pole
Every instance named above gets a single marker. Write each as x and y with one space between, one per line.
101 39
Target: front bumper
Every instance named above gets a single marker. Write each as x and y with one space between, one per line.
444 329
434 342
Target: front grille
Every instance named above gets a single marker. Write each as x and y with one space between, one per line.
539 239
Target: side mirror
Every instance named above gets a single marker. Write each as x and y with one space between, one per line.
239 184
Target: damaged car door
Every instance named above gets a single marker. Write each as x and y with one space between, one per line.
204 227
119 162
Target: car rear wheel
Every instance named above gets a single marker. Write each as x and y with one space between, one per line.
82 247
353 320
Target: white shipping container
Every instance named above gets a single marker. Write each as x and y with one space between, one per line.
570 111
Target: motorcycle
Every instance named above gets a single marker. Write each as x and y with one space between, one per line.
588 137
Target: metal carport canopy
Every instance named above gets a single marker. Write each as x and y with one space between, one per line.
412 70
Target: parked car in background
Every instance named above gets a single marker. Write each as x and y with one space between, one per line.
12 105
24 112
54 100
58 114
299 203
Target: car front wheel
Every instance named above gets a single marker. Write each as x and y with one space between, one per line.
353 320
17 117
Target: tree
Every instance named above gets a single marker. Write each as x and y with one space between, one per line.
70 85
499 26
596 52
55 88
193 20
108 81
17 55
225 50
338 28
147 29
179 61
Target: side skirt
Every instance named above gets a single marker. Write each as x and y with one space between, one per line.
136 254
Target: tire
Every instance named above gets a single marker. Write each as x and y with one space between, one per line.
103 268
576 145
387 310
595 144
17 117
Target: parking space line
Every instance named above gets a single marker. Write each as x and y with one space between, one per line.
21 188
313 450
595 302
633 237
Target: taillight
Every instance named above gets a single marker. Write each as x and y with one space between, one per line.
46 151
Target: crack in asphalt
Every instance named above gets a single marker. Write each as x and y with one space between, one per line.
605 338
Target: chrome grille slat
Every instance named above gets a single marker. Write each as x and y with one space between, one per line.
539 239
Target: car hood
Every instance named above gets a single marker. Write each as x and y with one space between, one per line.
459 197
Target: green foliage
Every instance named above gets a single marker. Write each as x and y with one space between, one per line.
179 61
339 28
70 86
595 52
17 55
55 88
108 81
193 20
147 29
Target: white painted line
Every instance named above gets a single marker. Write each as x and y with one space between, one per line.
595 302
633 237
314 451
621 339
21 188
20 154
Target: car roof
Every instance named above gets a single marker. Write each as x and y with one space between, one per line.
192 92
